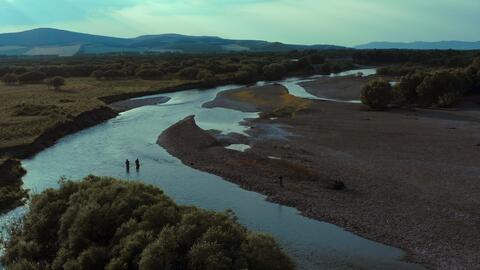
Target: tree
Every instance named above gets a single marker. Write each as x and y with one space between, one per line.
103 223
441 84
407 87
55 82
377 94
207 78
150 73
274 72
188 73
10 79
32 77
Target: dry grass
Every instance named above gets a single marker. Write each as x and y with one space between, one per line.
27 110
273 100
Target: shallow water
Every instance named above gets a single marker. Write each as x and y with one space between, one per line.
101 150
295 89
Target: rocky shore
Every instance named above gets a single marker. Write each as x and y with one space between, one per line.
410 178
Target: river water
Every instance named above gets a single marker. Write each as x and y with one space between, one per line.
102 150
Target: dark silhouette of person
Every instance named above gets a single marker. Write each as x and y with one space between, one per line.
280 178
137 165
127 165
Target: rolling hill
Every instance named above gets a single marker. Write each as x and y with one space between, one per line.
48 41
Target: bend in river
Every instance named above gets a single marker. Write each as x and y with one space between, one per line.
101 150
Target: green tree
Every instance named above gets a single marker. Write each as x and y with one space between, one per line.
377 94
443 88
10 79
32 77
274 72
103 223
56 82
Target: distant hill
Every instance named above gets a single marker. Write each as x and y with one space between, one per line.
48 41
420 45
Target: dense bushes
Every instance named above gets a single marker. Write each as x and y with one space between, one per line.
377 94
102 223
10 79
188 73
150 74
11 192
207 78
274 72
442 88
32 77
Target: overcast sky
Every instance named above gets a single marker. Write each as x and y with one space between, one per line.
342 22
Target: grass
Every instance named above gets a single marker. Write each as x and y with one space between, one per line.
273 100
27 110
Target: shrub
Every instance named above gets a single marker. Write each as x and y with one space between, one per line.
244 77
377 94
32 77
445 84
316 59
449 99
97 74
188 73
10 79
407 87
103 223
274 72
55 82
207 78
150 74
113 74
11 192
325 69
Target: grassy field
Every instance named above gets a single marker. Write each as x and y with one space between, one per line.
27 110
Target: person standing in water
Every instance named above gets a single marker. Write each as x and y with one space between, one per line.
137 165
127 165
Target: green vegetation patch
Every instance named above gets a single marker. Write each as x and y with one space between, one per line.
11 192
103 223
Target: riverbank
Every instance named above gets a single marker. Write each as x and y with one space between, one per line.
35 117
404 172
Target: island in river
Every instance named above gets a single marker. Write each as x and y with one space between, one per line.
408 178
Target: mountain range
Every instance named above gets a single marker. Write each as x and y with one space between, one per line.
47 41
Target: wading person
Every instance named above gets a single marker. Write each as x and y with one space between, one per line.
127 165
137 165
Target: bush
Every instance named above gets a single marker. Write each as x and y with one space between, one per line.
11 192
150 74
113 74
315 59
274 72
244 77
32 77
97 74
207 78
326 69
407 87
10 79
445 84
103 223
377 94
188 73
55 82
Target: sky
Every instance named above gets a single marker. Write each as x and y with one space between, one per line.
340 22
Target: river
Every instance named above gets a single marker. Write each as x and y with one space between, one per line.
102 150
